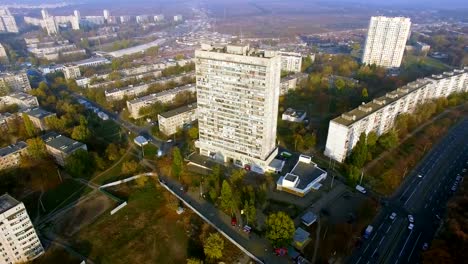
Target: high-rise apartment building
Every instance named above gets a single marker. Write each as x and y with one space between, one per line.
106 14
237 95
14 82
380 114
18 239
386 41
3 54
7 21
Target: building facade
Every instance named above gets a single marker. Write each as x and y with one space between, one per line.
167 96
237 96
14 82
10 156
386 41
291 61
71 72
38 117
61 147
3 54
7 21
169 122
23 100
379 115
19 240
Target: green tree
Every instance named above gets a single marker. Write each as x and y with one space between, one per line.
80 133
340 83
177 162
388 140
112 152
227 199
194 261
129 167
214 246
193 133
28 125
364 93
359 153
279 228
36 148
79 164
250 211
310 140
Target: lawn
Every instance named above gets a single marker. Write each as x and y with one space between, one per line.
150 151
65 193
145 231
115 173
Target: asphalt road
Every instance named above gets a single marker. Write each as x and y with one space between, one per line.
423 197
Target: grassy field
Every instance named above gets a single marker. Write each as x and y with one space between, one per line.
65 193
150 151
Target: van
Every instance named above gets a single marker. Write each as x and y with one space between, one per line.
361 189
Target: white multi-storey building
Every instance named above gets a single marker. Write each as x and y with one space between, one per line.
169 122
167 96
159 18
3 54
15 82
71 72
10 156
178 18
386 41
7 21
379 115
291 61
22 100
106 14
18 239
237 95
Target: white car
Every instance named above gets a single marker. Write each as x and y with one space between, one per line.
393 216
411 226
420 176
410 218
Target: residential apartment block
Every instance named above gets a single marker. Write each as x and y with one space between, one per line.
22 100
379 115
7 21
18 239
386 41
3 54
14 82
10 156
61 147
291 61
237 96
38 116
71 72
167 96
175 119
290 82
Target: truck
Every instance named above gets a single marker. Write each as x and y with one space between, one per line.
368 231
361 189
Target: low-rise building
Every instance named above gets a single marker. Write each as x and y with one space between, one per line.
14 82
92 62
38 116
290 82
167 96
293 115
178 18
71 72
159 18
304 177
61 147
171 121
291 61
22 100
19 240
422 47
301 238
10 156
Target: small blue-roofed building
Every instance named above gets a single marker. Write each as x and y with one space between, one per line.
309 218
301 238
140 141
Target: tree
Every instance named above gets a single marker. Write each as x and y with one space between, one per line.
112 152
279 229
250 211
340 83
79 164
80 133
193 133
194 261
129 167
227 199
388 140
214 246
310 140
177 162
28 125
298 141
364 93
36 148
359 153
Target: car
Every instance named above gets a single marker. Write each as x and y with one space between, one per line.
410 218
233 221
420 176
425 246
411 226
393 216
464 170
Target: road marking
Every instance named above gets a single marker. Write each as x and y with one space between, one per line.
412 193
425 206
388 229
359 259
401 252
366 248
375 251
415 244
381 240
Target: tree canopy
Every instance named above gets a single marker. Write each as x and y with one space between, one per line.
280 228
214 246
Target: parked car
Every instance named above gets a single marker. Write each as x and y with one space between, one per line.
361 189
393 216
410 218
425 246
233 221
411 226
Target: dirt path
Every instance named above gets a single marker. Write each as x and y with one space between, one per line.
127 152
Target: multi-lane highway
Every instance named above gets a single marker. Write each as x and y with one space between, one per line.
423 195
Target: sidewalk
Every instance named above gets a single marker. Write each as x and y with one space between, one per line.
256 247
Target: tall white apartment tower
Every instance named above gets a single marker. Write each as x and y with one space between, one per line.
237 94
106 14
386 41
18 239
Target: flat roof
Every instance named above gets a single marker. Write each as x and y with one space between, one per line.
21 96
91 60
300 235
38 112
367 109
7 202
5 151
293 76
309 218
180 110
307 173
166 92
60 142
294 113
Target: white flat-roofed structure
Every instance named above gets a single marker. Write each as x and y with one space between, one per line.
14 82
140 141
71 72
19 240
386 41
169 122
92 62
237 96
304 177
380 114
136 49
290 82
293 115
22 100
167 96
291 61
10 156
